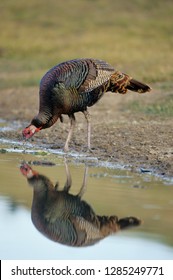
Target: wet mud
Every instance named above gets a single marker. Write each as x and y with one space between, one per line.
134 140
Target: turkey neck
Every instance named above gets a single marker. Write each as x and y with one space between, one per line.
44 119
47 115
41 190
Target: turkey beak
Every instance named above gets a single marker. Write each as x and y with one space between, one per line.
38 129
24 134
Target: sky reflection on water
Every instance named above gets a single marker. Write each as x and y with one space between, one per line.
20 240
109 192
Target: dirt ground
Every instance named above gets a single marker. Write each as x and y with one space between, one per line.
136 140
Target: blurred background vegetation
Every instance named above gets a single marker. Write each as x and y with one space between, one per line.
135 36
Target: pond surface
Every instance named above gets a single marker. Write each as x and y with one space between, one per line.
110 191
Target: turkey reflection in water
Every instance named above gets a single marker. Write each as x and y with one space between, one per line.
66 218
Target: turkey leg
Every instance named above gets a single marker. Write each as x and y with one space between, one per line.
88 119
84 183
68 183
72 125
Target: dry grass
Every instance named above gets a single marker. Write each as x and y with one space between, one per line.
135 36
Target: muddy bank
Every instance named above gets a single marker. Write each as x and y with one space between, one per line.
119 135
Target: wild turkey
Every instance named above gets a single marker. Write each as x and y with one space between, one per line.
65 218
74 85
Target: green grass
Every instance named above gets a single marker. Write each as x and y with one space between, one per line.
135 36
162 108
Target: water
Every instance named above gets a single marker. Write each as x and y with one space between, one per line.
110 191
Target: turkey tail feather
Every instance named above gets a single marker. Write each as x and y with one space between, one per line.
120 82
137 86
